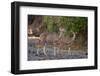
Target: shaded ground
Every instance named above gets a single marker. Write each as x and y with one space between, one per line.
64 54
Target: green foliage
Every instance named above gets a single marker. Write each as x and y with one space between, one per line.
51 23
69 23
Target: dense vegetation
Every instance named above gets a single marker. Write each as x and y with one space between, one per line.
75 24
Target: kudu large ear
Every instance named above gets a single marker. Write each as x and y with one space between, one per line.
62 29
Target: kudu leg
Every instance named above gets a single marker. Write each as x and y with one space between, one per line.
69 52
37 51
44 51
54 51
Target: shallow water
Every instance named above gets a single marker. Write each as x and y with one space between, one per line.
63 54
